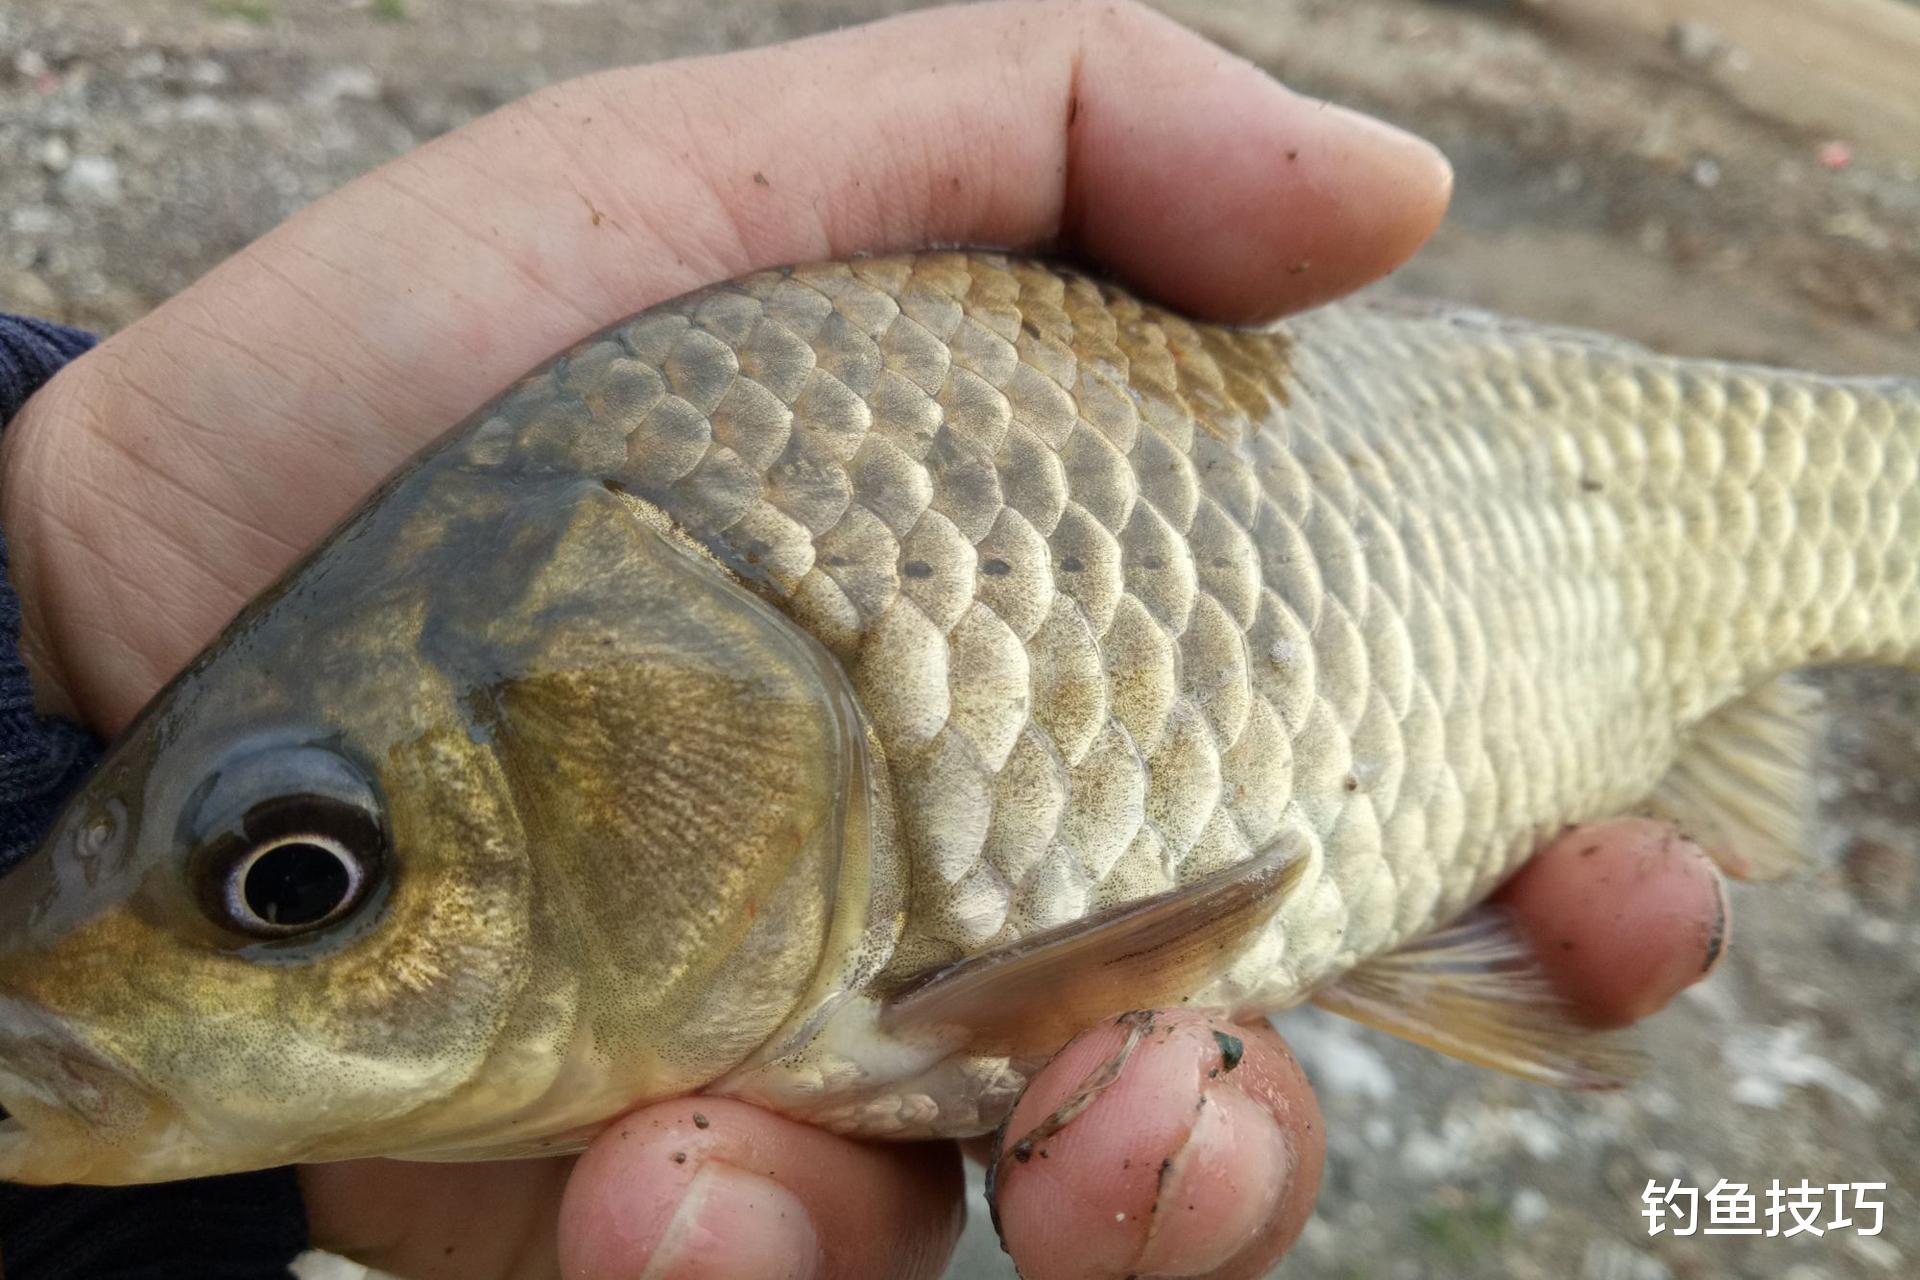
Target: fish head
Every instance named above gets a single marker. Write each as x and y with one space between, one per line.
502 813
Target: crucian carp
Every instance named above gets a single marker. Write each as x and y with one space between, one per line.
836 687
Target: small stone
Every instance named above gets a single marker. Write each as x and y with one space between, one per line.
207 73
1666 1163
35 220
1696 43
201 108
1529 1208
91 180
29 64
55 154
1880 1253
1612 1260
1880 875
1705 173
27 292
349 83
1876 931
1320 1237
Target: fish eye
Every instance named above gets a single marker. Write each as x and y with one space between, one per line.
286 842
294 883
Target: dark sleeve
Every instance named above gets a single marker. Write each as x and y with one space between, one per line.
244 1227
40 759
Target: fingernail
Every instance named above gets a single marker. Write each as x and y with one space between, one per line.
735 1225
1390 141
1718 930
1218 1192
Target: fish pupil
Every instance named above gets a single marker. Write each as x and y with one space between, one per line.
282 840
297 882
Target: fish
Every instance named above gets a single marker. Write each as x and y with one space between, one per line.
837 687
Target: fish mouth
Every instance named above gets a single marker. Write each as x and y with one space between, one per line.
18 1150
66 1105
13 1138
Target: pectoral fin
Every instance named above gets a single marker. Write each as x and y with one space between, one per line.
1743 786
1474 991
1033 995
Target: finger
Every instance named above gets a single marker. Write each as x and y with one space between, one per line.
1106 126
1211 187
711 1188
1190 1163
344 340
1624 915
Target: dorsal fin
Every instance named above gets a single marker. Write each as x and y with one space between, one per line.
1033 995
1743 785
1474 991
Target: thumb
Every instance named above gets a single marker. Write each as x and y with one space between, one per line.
1160 1144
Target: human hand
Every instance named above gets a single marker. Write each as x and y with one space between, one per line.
171 474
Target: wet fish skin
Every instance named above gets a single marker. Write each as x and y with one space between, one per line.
816 629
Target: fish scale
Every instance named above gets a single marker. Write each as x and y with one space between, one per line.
1056 667
1127 598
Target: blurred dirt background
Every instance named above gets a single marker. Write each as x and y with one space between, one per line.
1729 177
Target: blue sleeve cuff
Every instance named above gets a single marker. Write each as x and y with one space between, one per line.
41 759
31 352
243 1227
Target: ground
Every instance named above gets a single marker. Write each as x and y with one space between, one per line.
1725 177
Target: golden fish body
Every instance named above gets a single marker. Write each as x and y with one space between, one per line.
789 691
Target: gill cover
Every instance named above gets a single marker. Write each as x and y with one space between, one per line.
504 811
693 774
